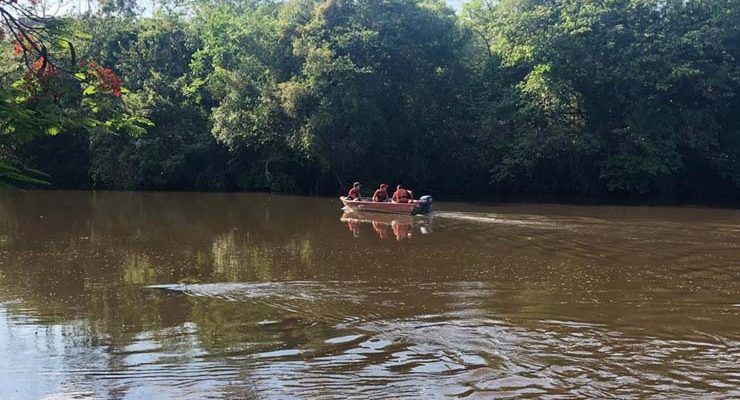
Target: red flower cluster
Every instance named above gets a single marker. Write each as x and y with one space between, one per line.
43 68
17 49
42 71
107 79
39 80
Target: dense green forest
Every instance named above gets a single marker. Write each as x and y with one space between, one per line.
610 99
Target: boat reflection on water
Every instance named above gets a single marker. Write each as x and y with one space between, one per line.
387 225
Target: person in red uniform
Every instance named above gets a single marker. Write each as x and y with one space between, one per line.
354 193
381 194
402 195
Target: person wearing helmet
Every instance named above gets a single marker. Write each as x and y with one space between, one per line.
402 195
354 192
381 194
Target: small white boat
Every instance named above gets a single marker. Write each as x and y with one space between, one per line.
421 206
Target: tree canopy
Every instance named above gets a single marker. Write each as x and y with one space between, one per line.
513 98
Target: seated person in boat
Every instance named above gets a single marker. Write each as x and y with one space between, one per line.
354 192
381 194
402 195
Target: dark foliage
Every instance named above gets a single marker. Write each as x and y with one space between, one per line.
536 99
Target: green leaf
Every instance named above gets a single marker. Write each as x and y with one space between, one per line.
89 122
83 35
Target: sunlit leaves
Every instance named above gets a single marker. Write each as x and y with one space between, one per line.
617 95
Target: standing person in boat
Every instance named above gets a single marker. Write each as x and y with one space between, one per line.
402 195
381 194
354 192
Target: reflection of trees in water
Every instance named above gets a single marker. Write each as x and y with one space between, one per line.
138 269
242 328
115 301
303 251
247 258
235 259
80 272
8 224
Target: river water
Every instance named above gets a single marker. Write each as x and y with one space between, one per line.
115 295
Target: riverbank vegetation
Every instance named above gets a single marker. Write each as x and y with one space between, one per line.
514 98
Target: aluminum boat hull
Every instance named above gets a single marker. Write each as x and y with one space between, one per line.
416 207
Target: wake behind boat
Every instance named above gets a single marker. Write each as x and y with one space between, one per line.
421 206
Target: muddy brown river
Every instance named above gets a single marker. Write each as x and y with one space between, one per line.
116 295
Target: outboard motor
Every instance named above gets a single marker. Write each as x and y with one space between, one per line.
424 206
